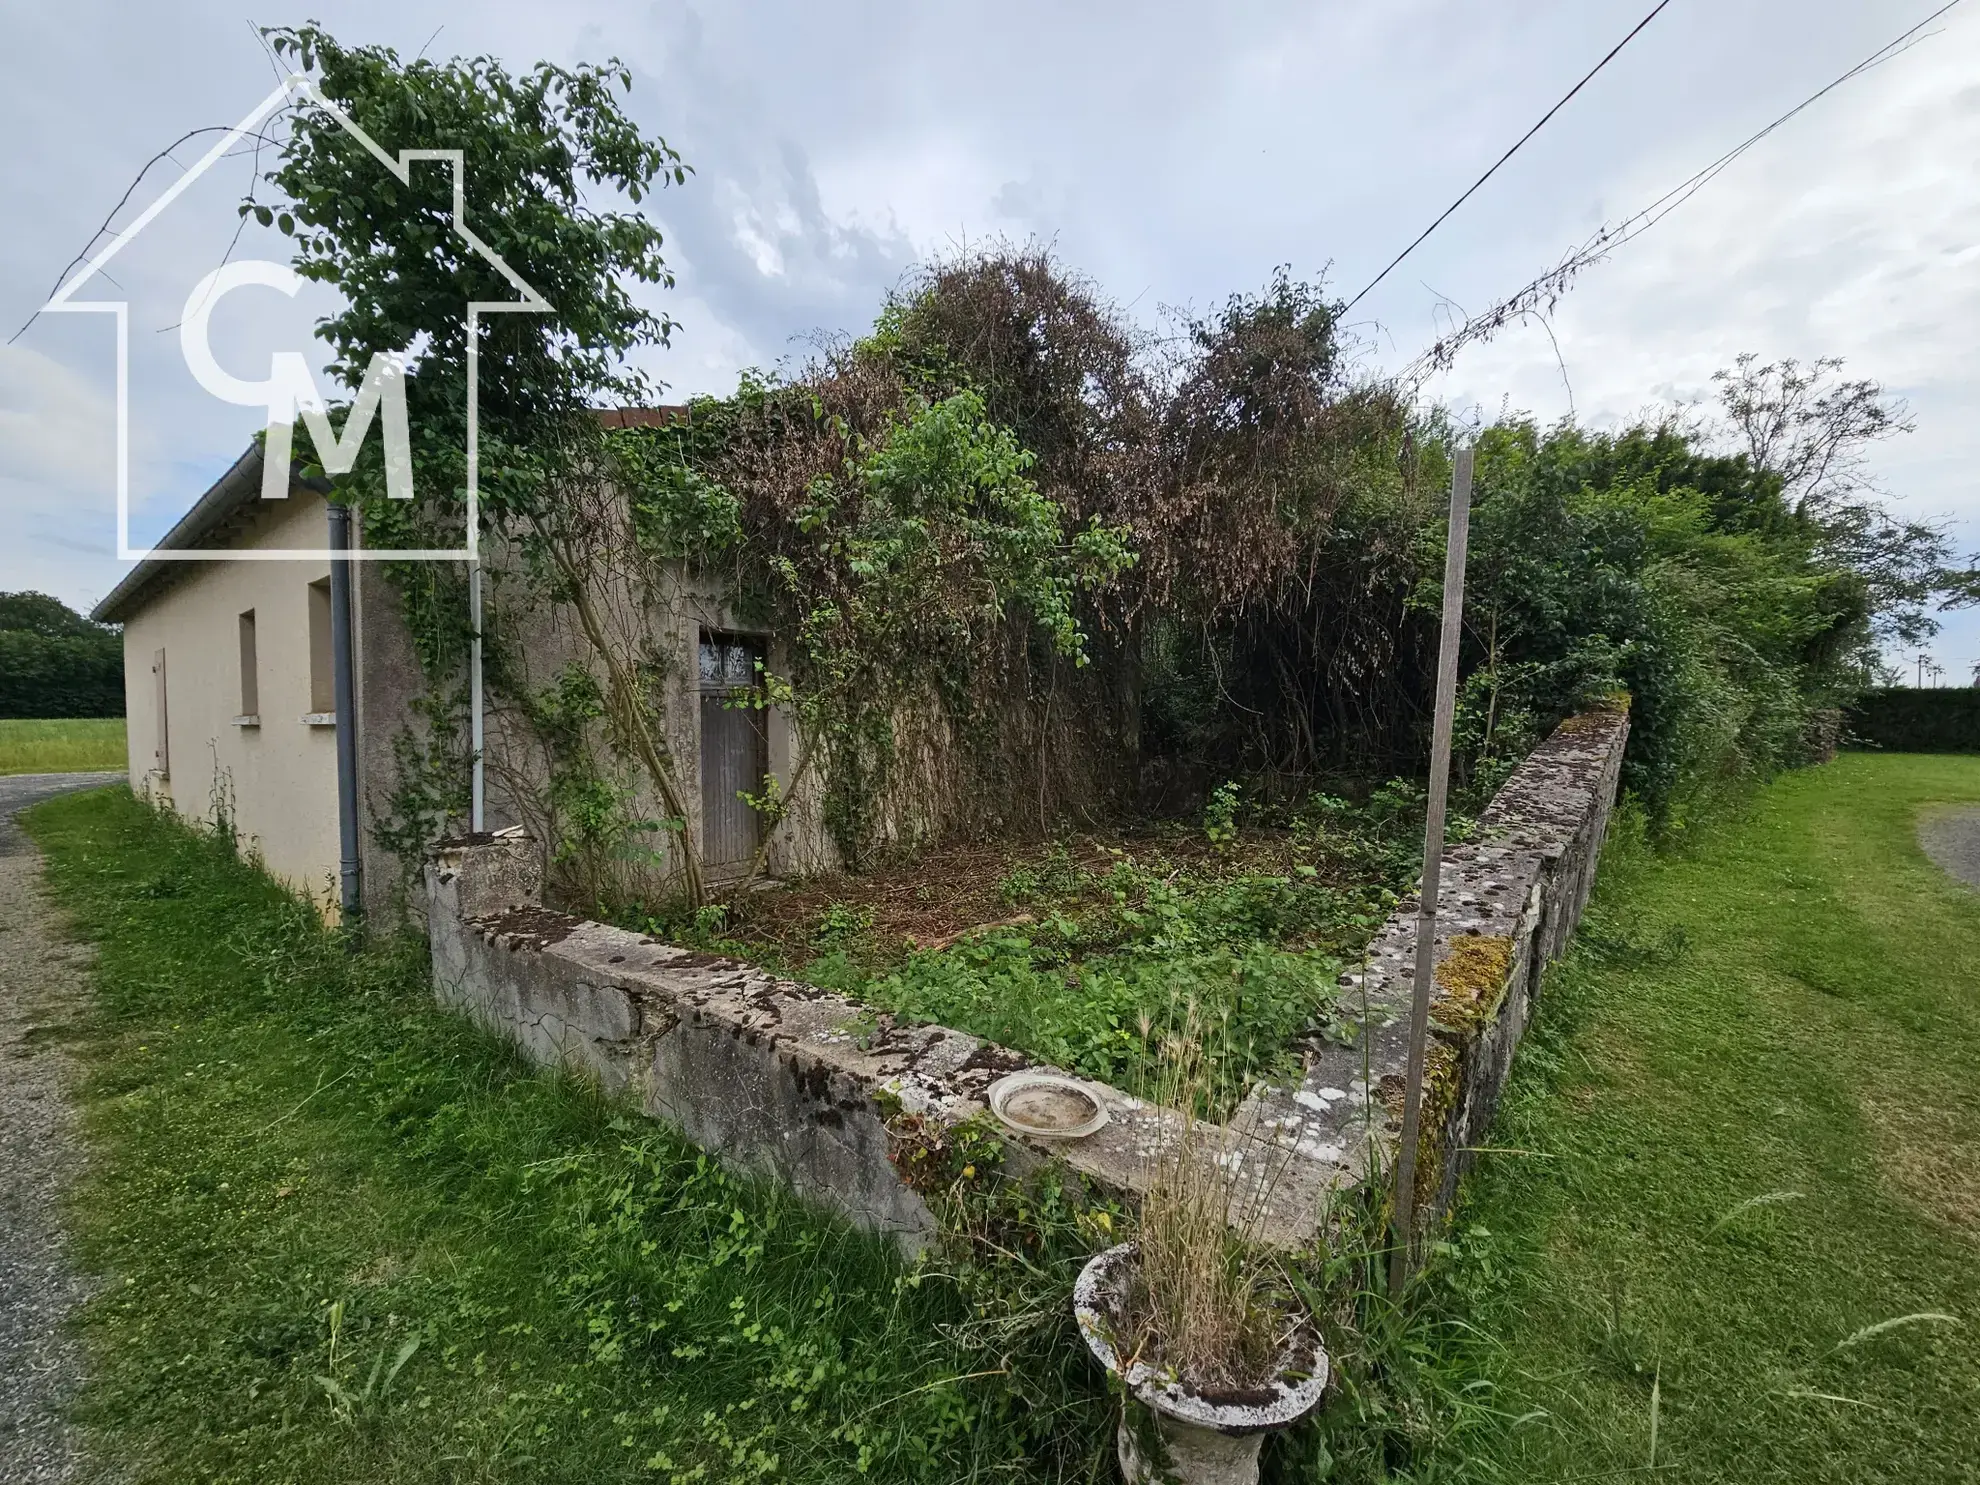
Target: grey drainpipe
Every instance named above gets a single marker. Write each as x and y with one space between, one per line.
349 876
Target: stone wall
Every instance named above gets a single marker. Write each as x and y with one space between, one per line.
825 1094
1508 905
772 1075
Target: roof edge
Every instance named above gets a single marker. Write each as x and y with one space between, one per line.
224 498
242 482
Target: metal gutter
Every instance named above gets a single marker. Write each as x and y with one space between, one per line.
343 683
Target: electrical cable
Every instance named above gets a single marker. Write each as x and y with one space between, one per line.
1554 281
1508 154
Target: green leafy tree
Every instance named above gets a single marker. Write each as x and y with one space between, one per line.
56 663
538 148
1809 428
1639 563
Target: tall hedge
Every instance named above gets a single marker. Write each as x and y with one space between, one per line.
1905 719
56 663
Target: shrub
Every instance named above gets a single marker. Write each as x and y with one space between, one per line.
56 663
1907 720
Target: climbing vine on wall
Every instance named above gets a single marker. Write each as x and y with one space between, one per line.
890 537
1011 548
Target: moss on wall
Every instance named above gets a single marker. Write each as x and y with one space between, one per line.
1473 979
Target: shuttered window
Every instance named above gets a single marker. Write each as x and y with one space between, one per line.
322 682
250 668
161 753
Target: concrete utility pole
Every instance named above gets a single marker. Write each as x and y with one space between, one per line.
1433 865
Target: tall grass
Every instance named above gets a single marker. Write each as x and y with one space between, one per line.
62 745
1753 1237
342 1235
1212 1303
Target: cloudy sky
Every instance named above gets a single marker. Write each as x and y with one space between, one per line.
1171 159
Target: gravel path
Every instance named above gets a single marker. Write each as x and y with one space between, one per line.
1952 838
41 988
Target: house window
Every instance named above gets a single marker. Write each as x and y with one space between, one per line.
250 670
322 683
734 748
161 757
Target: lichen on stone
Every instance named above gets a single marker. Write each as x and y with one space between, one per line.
1442 1083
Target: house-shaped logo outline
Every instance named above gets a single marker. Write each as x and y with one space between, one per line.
296 85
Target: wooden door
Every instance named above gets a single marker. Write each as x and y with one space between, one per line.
735 753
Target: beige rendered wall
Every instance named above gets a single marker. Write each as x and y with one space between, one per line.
282 774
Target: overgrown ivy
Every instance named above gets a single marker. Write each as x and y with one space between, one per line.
1021 555
914 543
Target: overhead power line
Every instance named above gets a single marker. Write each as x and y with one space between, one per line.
1565 100
1548 288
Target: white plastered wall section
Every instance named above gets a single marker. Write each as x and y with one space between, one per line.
282 774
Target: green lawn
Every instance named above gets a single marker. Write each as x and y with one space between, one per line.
64 745
1752 1095
345 1237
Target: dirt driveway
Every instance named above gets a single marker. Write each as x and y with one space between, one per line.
41 989
1951 837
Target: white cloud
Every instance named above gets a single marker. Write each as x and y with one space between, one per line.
1175 155
1857 235
56 429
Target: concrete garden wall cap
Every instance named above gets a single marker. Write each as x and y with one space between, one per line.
1291 1394
1047 1105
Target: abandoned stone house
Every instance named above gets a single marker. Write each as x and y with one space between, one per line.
229 666
228 687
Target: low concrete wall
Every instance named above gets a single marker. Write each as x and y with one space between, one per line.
1508 904
773 1075
826 1095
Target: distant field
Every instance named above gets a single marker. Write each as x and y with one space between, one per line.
66 745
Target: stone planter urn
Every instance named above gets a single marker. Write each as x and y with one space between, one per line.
1172 1431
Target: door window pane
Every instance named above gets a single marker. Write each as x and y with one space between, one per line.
724 662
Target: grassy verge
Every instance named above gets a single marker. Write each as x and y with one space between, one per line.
1728 1231
1735 1231
64 745
344 1237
